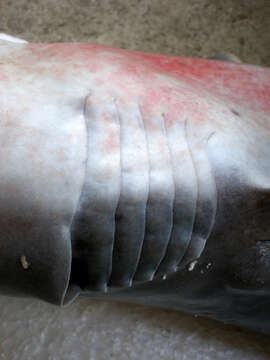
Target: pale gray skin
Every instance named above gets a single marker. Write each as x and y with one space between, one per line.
100 197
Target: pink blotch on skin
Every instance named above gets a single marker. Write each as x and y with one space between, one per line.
111 142
236 83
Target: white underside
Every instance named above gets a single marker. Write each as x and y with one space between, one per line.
13 39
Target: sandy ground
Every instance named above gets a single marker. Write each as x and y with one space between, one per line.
178 27
102 330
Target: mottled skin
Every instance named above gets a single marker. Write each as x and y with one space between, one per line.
136 177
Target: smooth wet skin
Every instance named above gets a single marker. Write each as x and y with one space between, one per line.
137 177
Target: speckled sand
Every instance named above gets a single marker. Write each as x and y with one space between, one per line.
98 330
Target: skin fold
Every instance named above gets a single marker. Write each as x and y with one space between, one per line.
136 177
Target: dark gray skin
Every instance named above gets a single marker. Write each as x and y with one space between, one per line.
231 279
233 289
137 178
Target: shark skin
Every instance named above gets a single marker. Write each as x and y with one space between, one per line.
135 177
